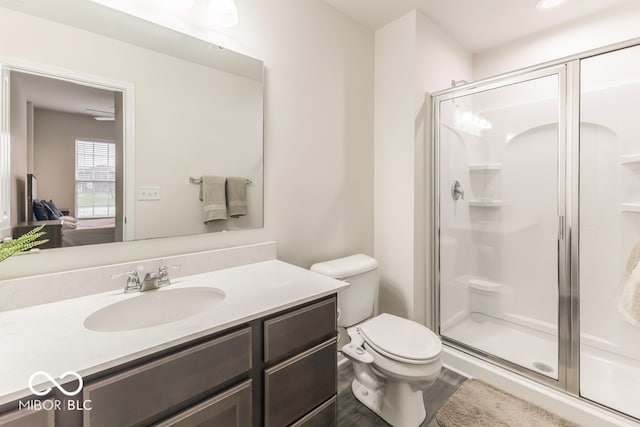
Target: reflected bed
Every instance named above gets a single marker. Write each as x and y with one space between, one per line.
90 232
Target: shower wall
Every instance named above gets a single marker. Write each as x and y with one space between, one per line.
499 242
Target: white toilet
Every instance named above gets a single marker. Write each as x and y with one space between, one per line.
394 359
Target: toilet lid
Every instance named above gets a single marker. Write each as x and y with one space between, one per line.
401 339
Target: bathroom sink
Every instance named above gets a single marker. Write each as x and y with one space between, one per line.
153 308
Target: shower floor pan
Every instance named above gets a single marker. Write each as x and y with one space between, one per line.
608 378
524 346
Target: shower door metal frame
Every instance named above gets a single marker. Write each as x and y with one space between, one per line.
511 79
569 285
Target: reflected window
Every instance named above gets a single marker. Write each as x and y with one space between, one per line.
95 179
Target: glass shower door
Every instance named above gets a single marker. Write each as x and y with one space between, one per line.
500 178
610 229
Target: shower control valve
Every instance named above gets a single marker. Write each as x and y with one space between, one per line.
457 192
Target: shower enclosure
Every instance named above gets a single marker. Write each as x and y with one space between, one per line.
536 217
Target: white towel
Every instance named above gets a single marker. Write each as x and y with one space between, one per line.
237 196
212 195
629 304
632 260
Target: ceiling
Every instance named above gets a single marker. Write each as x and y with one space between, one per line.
477 24
60 95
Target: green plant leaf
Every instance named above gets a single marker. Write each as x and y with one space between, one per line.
23 243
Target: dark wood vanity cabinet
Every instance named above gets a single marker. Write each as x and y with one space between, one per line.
300 375
144 394
230 408
28 418
280 370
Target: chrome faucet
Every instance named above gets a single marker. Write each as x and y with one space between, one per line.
149 282
163 274
133 281
135 284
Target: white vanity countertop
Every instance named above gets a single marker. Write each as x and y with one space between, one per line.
51 337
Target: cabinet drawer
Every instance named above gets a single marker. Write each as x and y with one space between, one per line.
230 408
154 390
323 416
298 385
293 332
28 418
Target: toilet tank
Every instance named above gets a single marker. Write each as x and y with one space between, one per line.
356 303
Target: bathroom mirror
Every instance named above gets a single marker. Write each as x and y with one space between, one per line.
157 109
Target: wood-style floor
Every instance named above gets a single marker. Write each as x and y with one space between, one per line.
352 413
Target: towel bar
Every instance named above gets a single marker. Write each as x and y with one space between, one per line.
199 180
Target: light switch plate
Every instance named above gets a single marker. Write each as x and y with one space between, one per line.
148 193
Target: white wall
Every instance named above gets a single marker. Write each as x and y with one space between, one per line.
612 26
318 139
394 157
440 60
413 56
55 135
319 128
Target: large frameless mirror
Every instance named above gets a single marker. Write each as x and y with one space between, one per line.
131 130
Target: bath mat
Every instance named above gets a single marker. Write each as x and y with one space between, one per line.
477 404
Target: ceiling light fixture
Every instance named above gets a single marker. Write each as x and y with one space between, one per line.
223 13
177 4
548 4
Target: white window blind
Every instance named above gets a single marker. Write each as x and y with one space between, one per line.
95 179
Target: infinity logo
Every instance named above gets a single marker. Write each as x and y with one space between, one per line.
55 383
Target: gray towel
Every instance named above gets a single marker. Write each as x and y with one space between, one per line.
237 196
212 195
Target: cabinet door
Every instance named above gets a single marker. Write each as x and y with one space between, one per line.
298 330
157 389
323 416
298 385
28 418
231 408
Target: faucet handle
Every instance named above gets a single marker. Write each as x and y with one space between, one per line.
163 273
133 280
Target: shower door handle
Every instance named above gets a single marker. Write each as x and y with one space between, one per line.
561 227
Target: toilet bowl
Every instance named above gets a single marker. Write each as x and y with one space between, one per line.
394 359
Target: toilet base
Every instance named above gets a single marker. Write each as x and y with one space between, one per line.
397 403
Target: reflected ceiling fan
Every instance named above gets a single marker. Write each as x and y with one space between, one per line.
105 116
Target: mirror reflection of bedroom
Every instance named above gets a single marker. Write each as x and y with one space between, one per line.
66 160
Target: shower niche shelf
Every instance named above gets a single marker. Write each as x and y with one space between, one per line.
485 203
485 167
630 158
630 207
491 227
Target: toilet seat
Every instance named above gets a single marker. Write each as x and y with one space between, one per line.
401 339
